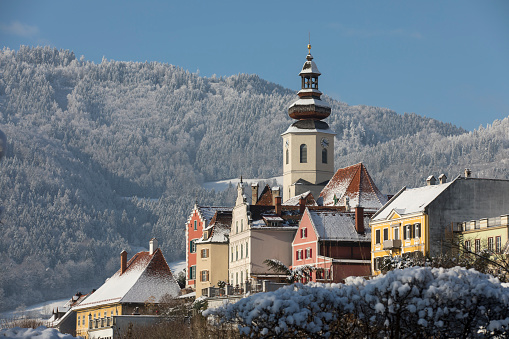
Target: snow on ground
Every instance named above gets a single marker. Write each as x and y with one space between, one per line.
37 311
222 185
28 333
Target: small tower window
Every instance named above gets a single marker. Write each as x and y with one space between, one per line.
303 153
324 156
287 156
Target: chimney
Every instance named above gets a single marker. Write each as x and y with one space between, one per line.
442 179
431 180
346 201
254 193
123 261
302 205
152 246
275 194
277 206
359 219
468 172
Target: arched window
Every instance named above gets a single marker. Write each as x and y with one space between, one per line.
303 153
324 156
287 156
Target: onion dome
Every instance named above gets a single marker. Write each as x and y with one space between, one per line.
309 105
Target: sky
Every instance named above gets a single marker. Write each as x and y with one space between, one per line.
447 60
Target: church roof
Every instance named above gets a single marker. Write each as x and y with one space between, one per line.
355 183
147 278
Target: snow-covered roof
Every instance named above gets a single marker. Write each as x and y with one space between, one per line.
295 129
147 277
332 225
309 67
309 101
273 218
355 183
410 201
207 212
295 201
219 228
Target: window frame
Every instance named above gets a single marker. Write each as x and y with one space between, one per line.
303 154
377 237
324 155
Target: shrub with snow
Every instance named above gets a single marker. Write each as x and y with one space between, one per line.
33 333
416 302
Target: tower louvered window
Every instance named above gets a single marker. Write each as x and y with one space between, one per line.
303 154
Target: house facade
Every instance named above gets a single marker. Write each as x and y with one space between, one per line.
424 219
135 289
212 252
197 221
491 234
334 242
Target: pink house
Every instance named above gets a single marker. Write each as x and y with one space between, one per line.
335 242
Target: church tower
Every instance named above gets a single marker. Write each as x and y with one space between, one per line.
308 144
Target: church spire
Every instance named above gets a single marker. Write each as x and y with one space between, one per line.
309 105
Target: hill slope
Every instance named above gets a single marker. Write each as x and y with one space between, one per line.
82 137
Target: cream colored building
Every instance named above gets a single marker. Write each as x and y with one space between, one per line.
212 251
308 144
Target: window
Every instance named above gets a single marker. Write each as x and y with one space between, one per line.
237 278
205 253
237 226
308 253
79 321
490 244
287 156
195 225
204 275
232 256
386 234
498 244
192 246
396 233
467 245
237 252
241 251
408 231
303 232
324 155
246 250
417 230
241 276
377 264
303 154
477 245
377 237
192 273
241 225
298 255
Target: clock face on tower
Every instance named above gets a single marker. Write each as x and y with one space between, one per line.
287 143
324 142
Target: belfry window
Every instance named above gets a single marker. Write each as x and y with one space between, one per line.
324 156
287 156
303 154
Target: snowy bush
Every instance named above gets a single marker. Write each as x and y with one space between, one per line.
416 302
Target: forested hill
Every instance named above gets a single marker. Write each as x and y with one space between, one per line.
105 156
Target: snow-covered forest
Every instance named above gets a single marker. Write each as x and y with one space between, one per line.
102 157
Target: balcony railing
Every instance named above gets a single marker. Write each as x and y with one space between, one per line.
393 243
101 322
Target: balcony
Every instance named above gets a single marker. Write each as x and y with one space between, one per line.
391 244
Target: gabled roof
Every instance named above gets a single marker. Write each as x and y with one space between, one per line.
219 228
266 198
355 183
208 212
146 278
295 201
339 226
410 201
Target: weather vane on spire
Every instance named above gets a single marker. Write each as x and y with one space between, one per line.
309 44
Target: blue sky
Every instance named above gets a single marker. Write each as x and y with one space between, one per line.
447 60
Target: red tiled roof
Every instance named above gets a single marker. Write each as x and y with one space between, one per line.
266 198
355 183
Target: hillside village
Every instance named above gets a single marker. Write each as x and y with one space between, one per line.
323 225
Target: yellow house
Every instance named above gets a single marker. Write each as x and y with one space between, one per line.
131 293
484 234
212 253
423 219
